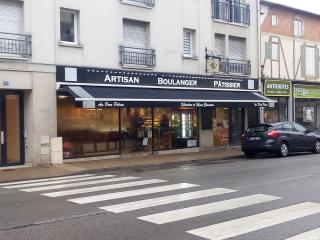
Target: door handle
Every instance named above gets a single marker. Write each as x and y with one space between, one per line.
2 137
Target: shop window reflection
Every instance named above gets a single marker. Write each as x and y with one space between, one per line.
136 130
175 128
87 132
221 127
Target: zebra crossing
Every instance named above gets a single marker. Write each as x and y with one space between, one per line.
71 188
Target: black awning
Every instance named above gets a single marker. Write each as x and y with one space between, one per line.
134 97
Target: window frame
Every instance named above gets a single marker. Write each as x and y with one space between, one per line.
298 27
192 49
76 14
308 65
274 20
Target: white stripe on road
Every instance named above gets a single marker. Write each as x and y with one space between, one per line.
196 211
78 184
103 188
131 206
44 180
57 182
256 222
311 235
131 193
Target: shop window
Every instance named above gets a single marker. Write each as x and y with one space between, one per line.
87 132
69 26
278 113
221 127
175 128
136 130
305 112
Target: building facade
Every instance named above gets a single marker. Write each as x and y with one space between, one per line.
127 77
290 59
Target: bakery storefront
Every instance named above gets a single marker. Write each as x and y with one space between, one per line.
114 112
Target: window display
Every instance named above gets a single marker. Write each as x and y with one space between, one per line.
221 127
87 132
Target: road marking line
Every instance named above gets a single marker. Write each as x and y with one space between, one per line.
276 181
131 206
131 193
44 180
310 235
205 209
57 182
103 188
252 223
78 184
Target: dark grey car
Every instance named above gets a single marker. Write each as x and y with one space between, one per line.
282 138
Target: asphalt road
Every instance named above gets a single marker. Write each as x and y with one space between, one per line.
265 198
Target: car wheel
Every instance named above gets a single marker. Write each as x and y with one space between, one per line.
317 147
249 154
284 149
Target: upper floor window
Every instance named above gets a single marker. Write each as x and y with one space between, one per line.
310 61
298 27
274 20
237 48
220 45
275 49
188 43
11 17
69 20
231 11
136 50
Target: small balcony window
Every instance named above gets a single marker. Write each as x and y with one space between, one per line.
137 56
231 11
234 66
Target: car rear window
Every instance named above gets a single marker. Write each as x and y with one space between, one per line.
260 128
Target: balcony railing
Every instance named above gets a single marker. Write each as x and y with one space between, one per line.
137 56
231 11
234 66
148 3
15 44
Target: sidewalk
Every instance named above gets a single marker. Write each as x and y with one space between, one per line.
25 173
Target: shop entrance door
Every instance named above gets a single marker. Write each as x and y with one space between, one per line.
11 125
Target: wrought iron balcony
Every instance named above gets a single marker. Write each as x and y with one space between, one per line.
137 56
148 3
231 11
233 66
15 44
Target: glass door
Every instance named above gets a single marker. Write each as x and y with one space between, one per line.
10 129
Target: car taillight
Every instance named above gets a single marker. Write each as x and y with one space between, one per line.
273 134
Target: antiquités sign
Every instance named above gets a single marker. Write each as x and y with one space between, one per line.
121 78
277 88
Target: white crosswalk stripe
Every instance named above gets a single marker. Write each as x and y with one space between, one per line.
78 184
196 211
45 180
310 235
103 188
58 182
252 223
131 206
131 193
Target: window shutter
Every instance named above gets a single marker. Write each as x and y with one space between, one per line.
268 50
237 48
135 34
303 61
10 17
220 44
187 43
317 61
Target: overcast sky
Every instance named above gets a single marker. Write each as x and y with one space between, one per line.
307 5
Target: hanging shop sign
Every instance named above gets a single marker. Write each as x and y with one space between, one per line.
121 78
306 91
277 88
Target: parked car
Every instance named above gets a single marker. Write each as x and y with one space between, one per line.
282 138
